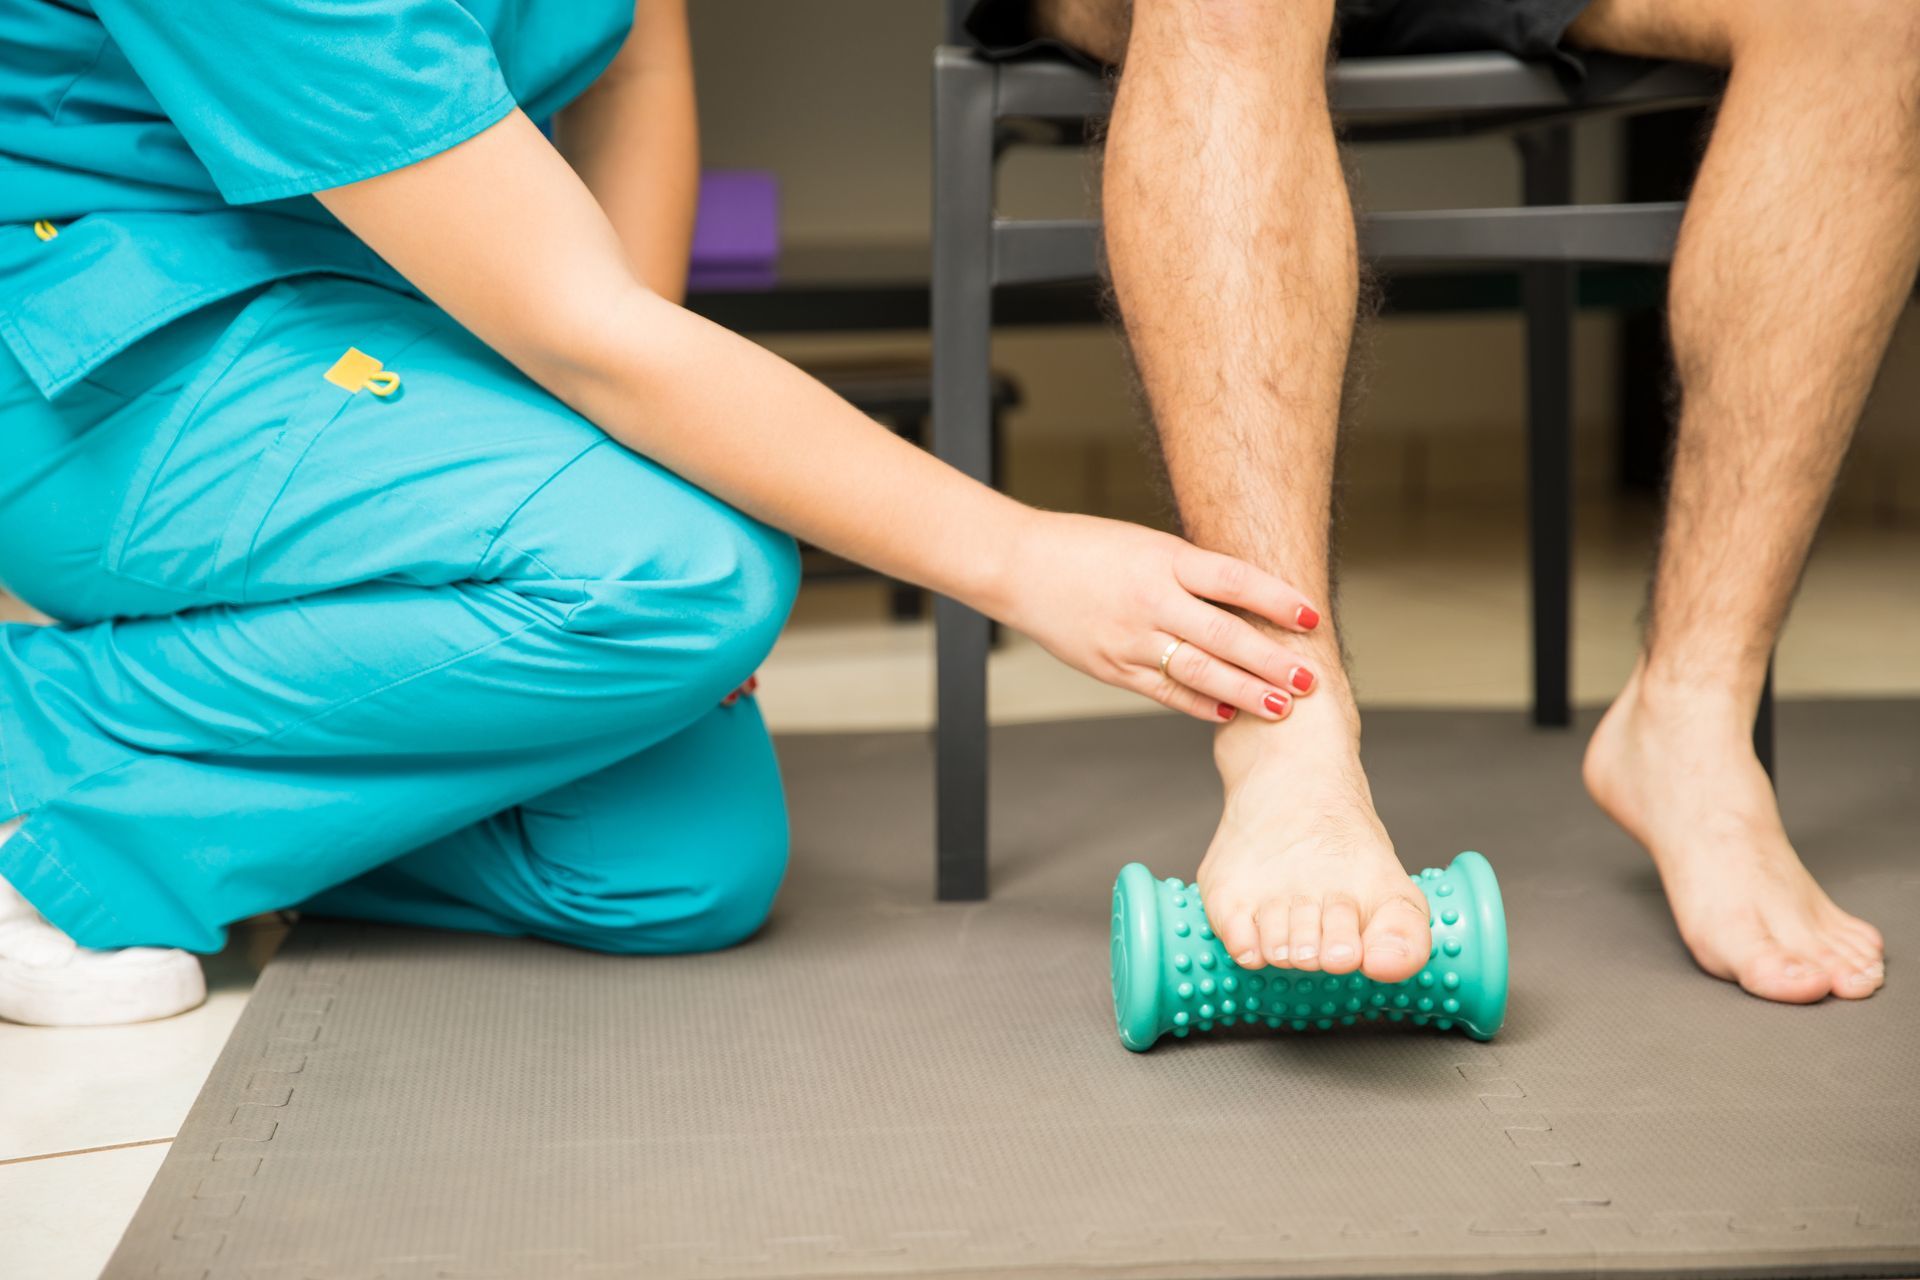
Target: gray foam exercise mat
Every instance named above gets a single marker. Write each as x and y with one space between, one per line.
882 1086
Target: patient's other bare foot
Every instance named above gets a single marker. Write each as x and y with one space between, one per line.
1676 768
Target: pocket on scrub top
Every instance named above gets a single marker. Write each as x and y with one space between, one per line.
224 453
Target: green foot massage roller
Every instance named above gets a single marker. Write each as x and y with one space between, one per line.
1171 974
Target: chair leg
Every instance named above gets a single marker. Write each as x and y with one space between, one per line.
1763 726
963 130
1547 291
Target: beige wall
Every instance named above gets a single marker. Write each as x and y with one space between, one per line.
833 94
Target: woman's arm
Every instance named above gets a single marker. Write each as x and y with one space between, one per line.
634 140
504 235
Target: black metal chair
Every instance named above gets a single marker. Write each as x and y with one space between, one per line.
982 107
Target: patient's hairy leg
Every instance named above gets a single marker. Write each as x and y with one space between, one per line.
1797 254
1231 240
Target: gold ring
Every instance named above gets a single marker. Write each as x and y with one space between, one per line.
1167 657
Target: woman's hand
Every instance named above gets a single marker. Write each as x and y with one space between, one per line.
1111 598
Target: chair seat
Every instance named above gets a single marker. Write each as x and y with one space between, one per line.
1385 98
1409 90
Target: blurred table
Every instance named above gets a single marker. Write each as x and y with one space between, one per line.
836 287
831 287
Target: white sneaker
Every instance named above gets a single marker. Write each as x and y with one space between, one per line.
49 980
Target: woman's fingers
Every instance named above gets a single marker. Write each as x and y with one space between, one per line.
1212 576
1182 698
1235 640
1218 684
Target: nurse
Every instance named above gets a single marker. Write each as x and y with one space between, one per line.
409 544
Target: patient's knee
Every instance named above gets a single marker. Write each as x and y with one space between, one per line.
1097 28
1276 41
1855 39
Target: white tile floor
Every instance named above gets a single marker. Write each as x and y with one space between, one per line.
86 1115
1434 607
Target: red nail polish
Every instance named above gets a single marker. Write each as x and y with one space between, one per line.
1224 711
1307 618
1276 703
1302 679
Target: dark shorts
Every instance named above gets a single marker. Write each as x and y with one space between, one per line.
1367 28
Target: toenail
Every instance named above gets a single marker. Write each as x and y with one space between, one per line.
1872 973
1797 970
1307 953
1279 953
1246 958
1338 953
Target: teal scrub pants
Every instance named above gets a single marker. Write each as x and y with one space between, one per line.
448 657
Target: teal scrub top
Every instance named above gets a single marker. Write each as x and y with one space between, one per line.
157 155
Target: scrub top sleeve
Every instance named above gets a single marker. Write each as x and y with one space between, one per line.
286 97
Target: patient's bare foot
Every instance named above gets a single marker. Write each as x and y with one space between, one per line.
1301 874
1676 768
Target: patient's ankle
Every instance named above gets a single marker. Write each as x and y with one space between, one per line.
1706 699
1323 727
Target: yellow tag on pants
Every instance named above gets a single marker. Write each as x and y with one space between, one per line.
356 370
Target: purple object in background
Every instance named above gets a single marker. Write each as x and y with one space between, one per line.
736 237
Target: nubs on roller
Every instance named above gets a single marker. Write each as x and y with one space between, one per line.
1171 974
